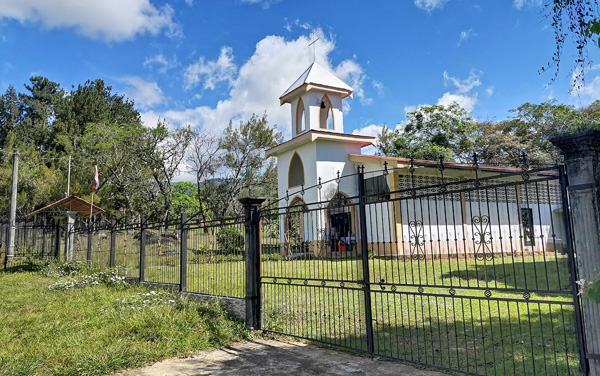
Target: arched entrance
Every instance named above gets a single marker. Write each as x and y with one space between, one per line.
340 218
295 225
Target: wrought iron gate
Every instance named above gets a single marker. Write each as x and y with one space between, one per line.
469 271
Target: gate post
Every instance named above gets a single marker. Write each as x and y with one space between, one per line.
113 243
57 238
252 256
582 159
362 219
183 259
142 249
89 245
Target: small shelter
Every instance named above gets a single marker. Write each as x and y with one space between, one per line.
70 207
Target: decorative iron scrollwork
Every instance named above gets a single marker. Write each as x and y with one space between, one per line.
487 293
394 288
420 289
305 282
323 283
452 291
342 284
482 237
526 295
416 240
289 281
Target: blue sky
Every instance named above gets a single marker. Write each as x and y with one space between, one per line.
203 63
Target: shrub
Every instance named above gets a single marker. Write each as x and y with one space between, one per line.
230 240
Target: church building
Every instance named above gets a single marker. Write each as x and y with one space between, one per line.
317 173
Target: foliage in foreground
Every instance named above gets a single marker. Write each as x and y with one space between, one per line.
431 132
99 329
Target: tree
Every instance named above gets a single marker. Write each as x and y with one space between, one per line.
202 158
162 150
244 169
10 113
431 132
529 131
185 200
125 181
579 19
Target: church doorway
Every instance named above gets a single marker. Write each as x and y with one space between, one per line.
296 223
342 234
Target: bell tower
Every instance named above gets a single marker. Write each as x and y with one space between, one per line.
316 101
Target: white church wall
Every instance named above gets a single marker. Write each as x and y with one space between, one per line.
332 158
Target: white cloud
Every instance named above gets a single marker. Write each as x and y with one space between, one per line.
163 63
351 73
108 20
145 94
589 90
463 95
378 86
430 5
211 72
189 2
465 101
263 3
297 23
466 35
466 85
519 4
372 130
274 66
489 91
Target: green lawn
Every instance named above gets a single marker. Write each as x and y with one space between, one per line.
434 312
506 334
98 330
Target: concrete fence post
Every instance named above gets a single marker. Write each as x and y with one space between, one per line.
252 257
183 249
142 249
89 245
113 243
582 160
56 244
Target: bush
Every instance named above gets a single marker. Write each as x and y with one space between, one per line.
230 240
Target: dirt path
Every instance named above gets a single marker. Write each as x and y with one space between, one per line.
270 357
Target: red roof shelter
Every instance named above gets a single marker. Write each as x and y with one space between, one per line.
71 203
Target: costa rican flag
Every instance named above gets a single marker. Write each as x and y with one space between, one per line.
96 180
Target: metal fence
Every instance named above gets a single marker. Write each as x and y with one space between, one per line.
35 243
469 274
190 255
473 274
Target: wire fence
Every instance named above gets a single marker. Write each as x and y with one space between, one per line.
210 254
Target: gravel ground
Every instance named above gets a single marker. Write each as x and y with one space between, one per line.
271 357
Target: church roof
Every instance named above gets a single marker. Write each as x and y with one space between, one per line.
313 135
318 76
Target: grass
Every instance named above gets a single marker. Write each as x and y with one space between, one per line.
503 334
95 330
451 323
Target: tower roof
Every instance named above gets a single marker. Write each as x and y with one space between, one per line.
316 77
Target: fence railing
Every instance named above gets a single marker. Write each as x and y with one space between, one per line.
466 273
196 257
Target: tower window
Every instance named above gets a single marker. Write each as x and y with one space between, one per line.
296 172
326 114
300 118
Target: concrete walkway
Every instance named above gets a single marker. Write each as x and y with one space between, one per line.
270 357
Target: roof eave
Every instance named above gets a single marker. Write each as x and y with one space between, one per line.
287 98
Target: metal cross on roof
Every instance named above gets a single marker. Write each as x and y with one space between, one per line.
313 45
